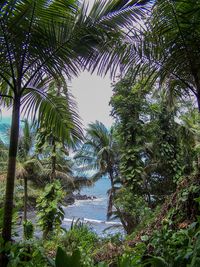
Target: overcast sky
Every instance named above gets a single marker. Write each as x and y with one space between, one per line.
93 95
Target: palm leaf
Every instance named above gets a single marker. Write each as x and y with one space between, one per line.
55 111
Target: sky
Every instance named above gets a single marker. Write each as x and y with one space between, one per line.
93 94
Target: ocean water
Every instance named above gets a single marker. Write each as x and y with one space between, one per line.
5 128
93 212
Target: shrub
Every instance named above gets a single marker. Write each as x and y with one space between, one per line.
50 212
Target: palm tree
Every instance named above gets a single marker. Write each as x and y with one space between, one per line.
99 154
168 46
3 156
24 159
44 39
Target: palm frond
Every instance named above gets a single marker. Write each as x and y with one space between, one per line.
21 172
54 111
65 178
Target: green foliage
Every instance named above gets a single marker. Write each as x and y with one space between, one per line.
175 248
28 229
130 100
152 154
156 262
63 260
134 208
50 212
132 256
25 254
81 237
175 243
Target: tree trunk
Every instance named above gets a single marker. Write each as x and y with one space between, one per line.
25 198
8 205
53 159
198 103
113 193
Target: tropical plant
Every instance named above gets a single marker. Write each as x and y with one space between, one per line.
62 259
26 161
167 46
98 156
50 212
81 236
60 165
28 229
152 147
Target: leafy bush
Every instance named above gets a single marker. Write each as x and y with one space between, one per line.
26 254
81 237
132 256
50 212
176 248
28 229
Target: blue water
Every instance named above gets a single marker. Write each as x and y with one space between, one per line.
5 128
93 209
93 212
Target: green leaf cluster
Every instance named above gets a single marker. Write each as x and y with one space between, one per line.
50 212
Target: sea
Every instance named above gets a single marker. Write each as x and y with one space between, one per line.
5 128
91 212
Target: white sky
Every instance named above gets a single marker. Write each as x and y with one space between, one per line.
93 94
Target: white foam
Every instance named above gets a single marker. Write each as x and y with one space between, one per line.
87 220
88 201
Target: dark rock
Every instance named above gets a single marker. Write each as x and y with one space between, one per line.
69 199
83 197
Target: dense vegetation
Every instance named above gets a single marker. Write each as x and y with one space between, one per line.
150 155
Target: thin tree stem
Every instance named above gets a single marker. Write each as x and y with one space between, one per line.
25 198
8 205
53 159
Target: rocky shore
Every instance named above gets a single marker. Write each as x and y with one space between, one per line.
69 200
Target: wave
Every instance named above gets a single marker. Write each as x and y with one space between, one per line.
86 220
90 201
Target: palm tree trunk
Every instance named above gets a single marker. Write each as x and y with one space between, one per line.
198 103
25 198
112 180
8 205
53 159
125 219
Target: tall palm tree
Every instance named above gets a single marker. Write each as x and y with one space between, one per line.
24 159
44 39
99 154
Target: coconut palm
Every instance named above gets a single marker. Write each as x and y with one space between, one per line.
99 155
24 160
44 39
3 156
167 47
